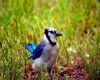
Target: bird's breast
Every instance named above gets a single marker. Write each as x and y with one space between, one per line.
50 53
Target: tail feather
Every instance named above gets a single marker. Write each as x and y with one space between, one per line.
31 47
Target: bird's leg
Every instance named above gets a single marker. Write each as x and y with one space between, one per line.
49 72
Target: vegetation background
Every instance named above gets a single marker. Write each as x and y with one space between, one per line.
24 21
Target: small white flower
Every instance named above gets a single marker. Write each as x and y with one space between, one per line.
72 62
71 50
87 55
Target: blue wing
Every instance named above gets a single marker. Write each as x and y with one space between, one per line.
31 47
36 53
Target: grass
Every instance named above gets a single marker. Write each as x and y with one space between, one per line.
24 21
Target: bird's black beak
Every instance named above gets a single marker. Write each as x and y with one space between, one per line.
58 34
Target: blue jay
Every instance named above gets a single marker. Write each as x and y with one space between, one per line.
45 53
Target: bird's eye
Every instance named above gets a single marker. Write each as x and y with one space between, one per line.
55 32
51 32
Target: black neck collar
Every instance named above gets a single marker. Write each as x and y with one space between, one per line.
52 43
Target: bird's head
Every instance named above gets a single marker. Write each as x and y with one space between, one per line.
51 35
